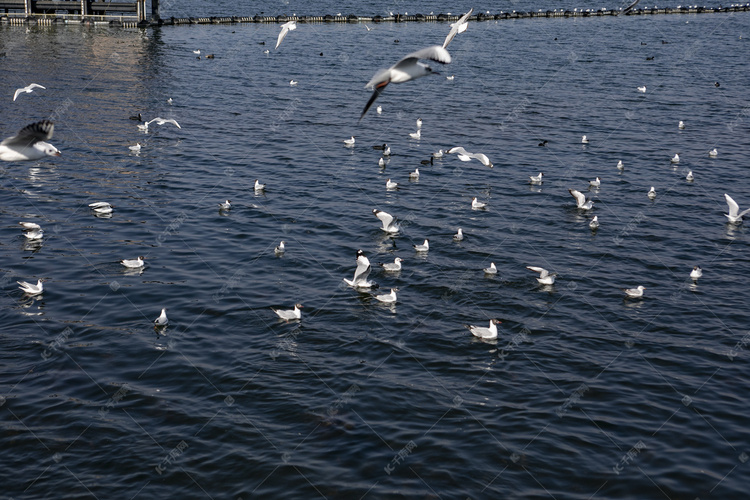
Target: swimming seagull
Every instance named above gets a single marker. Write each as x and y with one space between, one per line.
620 165
477 205
734 214
439 154
634 292
419 123
450 78
581 201
414 175
459 236
595 183
545 277
30 288
675 158
536 179
279 250
28 143
349 142
389 184
136 148
417 134
258 186
584 140
681 125
27 89
389 222
162 121
389 298
458 27
642 89
386 150
226 205
101 207
408 68
464 155
361 273
29 225
594 224
690 177
285 28
395 266
696 273
424 247
289 314
381 162
293 82
162 319
379 110
713 153
133 262
490 270
652 193
34 234
485 333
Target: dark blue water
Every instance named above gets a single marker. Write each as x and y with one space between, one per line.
583 395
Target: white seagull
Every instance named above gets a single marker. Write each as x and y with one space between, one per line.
389 298
293 82
690 177
424 247
634 292
642 89
28 143
389 222
713 153
350 142
681 125
696 273
437 155
289 314
490 270
27 89
536 179
459 236
29 225
485 333
408 68
464 155
419 123
584 140
162 121
133 262
136 148
386 150
34 234
226 205
620 165
395 266
652 193
675 158
279 250
285 28
379 110
545 277
417 134
595 183
477 205
414 175
101 207
458 27
162 319
389 184
361 273
594 224
381 162
581 201
30 288
734 214
258 186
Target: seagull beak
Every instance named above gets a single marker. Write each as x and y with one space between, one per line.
57 153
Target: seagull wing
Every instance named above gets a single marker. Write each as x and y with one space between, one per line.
580 198
483 158
30 134
434 53
733 207
458 27
379 88
459 150
542 272
18 92
385 217
285 28
362 271
629 7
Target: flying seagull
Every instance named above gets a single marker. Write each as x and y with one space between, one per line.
285 28
458 27
28 143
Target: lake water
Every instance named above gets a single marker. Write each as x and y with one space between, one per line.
585 394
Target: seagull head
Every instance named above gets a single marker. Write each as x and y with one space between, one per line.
47 149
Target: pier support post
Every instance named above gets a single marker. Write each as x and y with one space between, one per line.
27 7
154 10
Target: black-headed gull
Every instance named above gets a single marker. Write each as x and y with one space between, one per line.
361 273
30 288
289 314
424 247
29 143
595 183
594 224
225 205
417 134
34 234
545 277
29 225
642 89
389 184
696 273
464 155
490 270
581 201
652 193
536 179
101 207
279 250
285 28
713 153
350 142
734 214
388 298
389 222
136 148
584 140
414 175
459 236
620 165
27 89
162 319
485 333
635 293
681 125
408 68
392 267
419 123
258 186
690 177
675 158
133 262
458 27
477 205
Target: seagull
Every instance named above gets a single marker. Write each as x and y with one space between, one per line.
34 234
490 270
162 319
681 125
389 184
536 179
381 162
595 183
652 193
226 205
361 273
101 207
259 186
135 148
27 89
450 78
713 153
424 247
368 28
675 158
395 266
485 333
634 292
414 175
29 225
279 250
581 201
133 262
170 101
31 289
289 314
419 123
459 236
458 27
389 298
285 28
417 134
734 214
196 52
162 121
379 110
696 273
464 155
545 277
386 150
349 142
29 143
594 224
408 68
477 205
584 140
642 89
690 177
439 154
389 222
293 82
620 165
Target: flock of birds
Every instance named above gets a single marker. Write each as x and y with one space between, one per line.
30 144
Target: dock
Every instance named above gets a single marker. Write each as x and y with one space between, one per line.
134 14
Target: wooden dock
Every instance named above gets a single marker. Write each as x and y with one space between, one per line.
133 14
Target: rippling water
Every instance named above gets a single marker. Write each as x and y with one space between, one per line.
584 394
